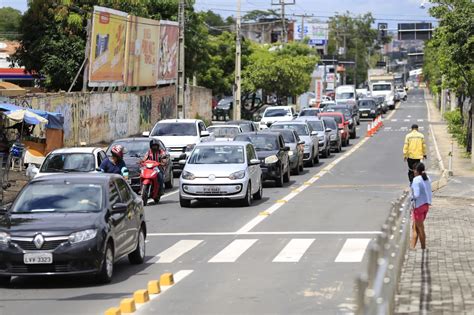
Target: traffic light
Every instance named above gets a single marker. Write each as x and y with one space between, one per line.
382 31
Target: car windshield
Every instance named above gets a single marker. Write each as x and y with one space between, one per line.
330 123
301 129
309 112
132 148
68 162
367 104
225 102
277 112
381 87
174 129
218 154
288 135
260 142
59 197
345 95
224 132
316 125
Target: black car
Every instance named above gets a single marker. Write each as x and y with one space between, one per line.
296 153
349 115
135 150
71 224
368 108
312 112
272 153
223 108
245 125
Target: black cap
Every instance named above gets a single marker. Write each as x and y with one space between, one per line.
414 126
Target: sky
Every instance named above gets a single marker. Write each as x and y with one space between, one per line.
390 11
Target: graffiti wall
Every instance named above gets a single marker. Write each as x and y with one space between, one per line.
157 104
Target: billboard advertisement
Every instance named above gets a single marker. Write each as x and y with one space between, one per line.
316 32
168 52
107 50
143 41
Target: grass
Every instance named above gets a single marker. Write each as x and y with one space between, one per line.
456 127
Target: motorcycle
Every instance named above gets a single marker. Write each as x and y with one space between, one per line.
150 188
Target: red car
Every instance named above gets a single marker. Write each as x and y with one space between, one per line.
342 123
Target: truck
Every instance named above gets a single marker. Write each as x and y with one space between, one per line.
382 83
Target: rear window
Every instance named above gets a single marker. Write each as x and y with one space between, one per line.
309 112
368 103
337 118
330 123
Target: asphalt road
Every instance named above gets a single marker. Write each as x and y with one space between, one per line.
297 251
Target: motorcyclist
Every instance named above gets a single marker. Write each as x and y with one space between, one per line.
158 154
115 164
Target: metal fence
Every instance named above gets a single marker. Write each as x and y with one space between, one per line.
376 289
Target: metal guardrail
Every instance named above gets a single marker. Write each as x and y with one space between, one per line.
376 289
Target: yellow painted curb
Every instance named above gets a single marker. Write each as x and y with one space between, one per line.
113 311
127 306
166 279
308 183
264 213
297 190
281 201
154 287
141 296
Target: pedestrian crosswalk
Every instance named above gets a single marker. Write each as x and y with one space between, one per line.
291 251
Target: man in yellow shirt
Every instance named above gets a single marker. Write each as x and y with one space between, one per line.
414 150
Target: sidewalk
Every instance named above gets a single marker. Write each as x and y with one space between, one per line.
440 280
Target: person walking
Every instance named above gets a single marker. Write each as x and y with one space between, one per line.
414 150
421 196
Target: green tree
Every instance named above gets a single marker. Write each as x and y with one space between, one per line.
256 15
9 23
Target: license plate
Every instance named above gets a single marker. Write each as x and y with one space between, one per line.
212 190
365 115
38 258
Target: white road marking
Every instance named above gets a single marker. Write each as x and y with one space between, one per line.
268 233
170 194
388 128
394 120
233 251
420 120
294 250
403 128
406 120
174 252
409 116
353 250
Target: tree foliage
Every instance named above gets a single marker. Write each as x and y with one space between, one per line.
9 23
256 15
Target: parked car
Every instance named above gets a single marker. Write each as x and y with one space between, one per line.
71 160
308 112
319 126
369 109
225 132
308 135
245 125
72 224
348 113
180 136
335 139
135 150
343 125
402 94
272 153
218 170
296 145
276 113
223 109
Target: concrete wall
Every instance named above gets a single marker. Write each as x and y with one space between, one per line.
198 102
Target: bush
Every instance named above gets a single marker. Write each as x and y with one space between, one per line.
456 127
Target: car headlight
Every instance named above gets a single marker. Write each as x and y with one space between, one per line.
290 153
271 159
82 236
4 239
190 147
333 137
237 175
188 175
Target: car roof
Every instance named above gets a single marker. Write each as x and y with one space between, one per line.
79 177
332 114
178 121
297 122
282 130
224 126
303 118
226 143
278 107
310 108
242 121
144 139
76 150
265 133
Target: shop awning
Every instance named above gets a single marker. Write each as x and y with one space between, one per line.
55 120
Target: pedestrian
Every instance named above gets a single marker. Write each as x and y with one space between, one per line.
414 149
421 196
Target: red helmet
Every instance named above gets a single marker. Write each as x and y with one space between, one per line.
117 150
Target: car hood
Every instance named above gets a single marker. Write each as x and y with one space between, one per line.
49 224
218 170
178 141
271 120
263 154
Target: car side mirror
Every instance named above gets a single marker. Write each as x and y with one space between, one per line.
205 133
328 129
4 210
146 134
254 162
314 133
301 142
119 208
286 149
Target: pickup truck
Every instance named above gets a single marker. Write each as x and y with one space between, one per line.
180 136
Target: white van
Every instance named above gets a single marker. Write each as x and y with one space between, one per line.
345 93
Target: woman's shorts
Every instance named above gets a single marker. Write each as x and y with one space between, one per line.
419 214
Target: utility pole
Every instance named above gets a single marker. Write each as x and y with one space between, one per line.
283 4
180 84
87 53
236 109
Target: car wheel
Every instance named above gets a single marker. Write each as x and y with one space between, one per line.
145 190
247 201
405 98
5 280
138 255
107 270
259 194
353 135
296 170
184 203
286 177
279 180
169 184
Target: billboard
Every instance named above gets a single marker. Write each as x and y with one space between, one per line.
107 50
168 52
143 41
316 32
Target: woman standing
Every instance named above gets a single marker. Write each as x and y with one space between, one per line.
421 196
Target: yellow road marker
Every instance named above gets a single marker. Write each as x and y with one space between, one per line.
265 213
141 296
154 287
113 311
166 279
281 201
127 306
